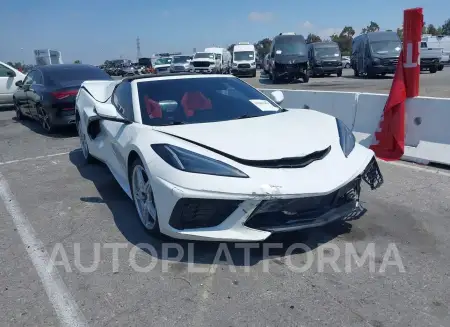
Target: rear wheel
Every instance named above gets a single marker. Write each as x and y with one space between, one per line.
143 198
339 73
433 70
355 72
45 120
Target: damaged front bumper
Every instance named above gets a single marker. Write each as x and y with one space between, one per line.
205 217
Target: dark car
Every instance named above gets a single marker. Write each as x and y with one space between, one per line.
289 58
47 94
325 58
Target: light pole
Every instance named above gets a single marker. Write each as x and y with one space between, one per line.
23 59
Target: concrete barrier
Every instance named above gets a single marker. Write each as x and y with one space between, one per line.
427 121
338 104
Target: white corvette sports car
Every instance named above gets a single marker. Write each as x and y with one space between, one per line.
209 157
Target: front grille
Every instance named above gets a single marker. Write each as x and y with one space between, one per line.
244 66
428 61
201 213
331 63
389 62
201 63
178 68
283 213
290 68
163 69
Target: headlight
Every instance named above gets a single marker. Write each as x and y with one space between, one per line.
346 137
192 162
253 64
319 62
376 61
234 65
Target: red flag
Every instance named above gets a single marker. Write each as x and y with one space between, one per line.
391 136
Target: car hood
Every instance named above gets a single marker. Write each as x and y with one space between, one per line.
202 59
294 133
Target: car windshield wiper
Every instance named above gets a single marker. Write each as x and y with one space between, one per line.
176 122
245 116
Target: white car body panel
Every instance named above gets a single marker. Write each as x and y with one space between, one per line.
8 84
288 134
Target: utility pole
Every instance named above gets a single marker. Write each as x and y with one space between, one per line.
138 48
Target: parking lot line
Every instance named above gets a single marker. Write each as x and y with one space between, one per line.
63 303
36 158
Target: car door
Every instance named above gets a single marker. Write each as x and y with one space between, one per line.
34 92
7 84
22 94
118 135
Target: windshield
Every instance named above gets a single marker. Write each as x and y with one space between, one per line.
200 100
244 55
386 47
327 52
181 59
290 47
163 61
204 55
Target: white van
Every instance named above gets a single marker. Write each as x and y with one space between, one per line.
244 60
223 59
439 42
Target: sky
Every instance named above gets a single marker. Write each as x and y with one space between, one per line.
97 30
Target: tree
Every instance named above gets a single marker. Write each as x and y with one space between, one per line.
311 38
440 31
432 30
425 29
400 33
77 62
17 65
446 27
9 63
230 48
372 27
263 47
347 32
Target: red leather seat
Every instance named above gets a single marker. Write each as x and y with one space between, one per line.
193 101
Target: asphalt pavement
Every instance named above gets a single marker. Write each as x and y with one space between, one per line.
48 198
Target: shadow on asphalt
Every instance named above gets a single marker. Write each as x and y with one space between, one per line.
128 223
60 132
378 77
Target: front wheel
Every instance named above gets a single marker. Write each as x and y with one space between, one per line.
433 70
305 78
84 145
19 114
143 197
339 73
441 67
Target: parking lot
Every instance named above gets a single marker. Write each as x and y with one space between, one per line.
50 199
432 85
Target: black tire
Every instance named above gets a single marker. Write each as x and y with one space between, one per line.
274 79
339 73
433 70
19 114
155 228
45 120
305 78
441 67
355 72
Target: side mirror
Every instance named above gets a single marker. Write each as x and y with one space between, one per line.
277 96
109 112
11 73
19 83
